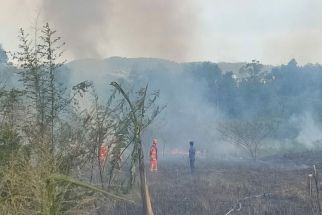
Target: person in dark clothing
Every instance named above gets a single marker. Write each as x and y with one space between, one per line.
192 156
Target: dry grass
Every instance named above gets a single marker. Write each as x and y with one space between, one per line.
217 186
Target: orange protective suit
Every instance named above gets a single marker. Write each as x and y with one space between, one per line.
154 156
103 153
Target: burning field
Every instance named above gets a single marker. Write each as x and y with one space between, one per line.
234 187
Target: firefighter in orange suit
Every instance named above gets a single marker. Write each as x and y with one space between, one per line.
103 152
154 156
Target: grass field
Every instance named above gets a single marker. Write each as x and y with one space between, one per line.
275 185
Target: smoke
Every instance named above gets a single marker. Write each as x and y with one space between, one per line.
129 28
222 30
81 22
310 134
304 46
189 115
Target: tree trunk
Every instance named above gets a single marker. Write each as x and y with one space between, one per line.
146 200
317 186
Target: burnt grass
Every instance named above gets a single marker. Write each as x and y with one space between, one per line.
274 185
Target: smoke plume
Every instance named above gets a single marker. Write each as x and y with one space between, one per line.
81 22
130 28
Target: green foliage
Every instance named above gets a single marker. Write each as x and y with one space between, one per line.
49 143
9 143
142 111
135 120
42 152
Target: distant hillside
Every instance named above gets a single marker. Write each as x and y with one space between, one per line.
120 67
115 68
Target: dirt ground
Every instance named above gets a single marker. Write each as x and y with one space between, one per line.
276 185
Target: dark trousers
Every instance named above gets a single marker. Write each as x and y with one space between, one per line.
192 165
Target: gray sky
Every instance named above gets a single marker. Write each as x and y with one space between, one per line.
272 31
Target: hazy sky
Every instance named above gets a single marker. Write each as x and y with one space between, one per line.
272 31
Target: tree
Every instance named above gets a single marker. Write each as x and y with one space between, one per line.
98 125
248 135
252 72
50 50
135 120
10 116
39 183
3 56
39 64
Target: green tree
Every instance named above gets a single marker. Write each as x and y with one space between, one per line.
136 119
